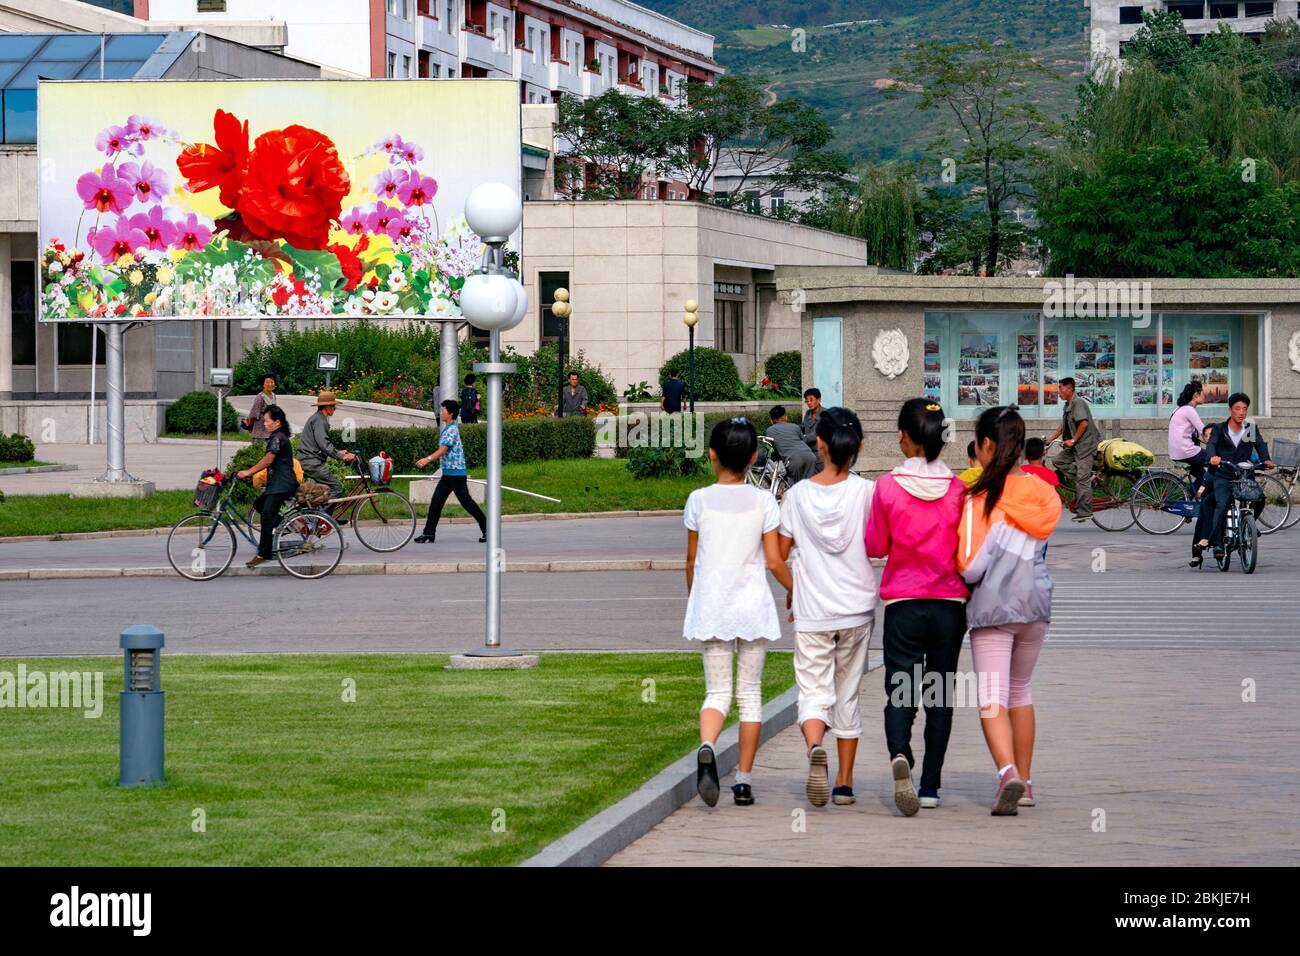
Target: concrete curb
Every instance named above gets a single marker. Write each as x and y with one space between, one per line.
359 568
36 470
505 519
614 828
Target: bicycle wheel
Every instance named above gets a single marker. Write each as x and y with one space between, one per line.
1152 497
308 544
385 521
1277 505
1249 547
1293 497
1111 497
200 546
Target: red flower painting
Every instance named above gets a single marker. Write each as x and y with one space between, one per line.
221 166
294 187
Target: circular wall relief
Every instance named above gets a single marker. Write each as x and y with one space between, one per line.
890 353
1294 350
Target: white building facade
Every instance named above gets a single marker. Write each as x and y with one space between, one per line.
1115 21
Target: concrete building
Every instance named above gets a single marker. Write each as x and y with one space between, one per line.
750 180
872 340
43 366
1115 21
555 48
631 266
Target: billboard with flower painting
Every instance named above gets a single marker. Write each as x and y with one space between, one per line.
283 199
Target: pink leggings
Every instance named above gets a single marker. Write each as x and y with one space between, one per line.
1004 660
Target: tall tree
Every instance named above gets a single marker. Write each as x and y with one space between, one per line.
609 143
881 208
986 88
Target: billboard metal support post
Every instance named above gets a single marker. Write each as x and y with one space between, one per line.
115 406
448 361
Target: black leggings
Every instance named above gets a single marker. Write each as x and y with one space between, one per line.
268 506
459 486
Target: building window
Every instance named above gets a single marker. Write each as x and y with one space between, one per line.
751 201
437 72
22 275
1130 14
406 72
976 360
729 324
547 283
392 69
1260 9
451 21
211 6
74 344
1224 11
776 203
1187 9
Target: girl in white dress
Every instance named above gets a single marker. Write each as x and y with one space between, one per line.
731 542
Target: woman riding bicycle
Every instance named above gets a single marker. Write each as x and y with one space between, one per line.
281 482
1234 442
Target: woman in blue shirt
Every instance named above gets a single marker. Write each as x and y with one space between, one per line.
454 476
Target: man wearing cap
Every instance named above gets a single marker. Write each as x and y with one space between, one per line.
315 447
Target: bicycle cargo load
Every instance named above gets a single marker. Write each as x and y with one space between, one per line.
1116 454
1285 453
1247 490
208 490
381 468
259 479
313 494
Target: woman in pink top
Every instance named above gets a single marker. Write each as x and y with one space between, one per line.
1185 431
913 522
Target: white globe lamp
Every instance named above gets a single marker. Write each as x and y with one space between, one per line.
494 211
490 301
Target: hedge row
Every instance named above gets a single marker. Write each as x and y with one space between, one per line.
195 413
18 447
524 439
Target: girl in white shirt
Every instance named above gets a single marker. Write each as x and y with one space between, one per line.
824 518
731 542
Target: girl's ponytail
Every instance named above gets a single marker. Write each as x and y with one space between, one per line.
1007 430
841 430
923 422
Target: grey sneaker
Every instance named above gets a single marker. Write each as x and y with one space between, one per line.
904 793
818 787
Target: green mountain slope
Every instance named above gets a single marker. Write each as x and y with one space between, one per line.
844 69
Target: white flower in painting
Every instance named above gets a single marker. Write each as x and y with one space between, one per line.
355 305
384 302
440 308
458 228
225 275
55 267
397 280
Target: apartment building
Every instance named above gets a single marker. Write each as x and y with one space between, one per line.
555 48
1115 21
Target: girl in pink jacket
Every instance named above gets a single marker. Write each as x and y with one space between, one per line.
913 523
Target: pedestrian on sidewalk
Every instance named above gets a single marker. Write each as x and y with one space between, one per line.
281 482
787 437
469 401
455 477
731 539
913 522
1002 553
824 519
263 400
315 448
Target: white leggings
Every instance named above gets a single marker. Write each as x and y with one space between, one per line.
749 679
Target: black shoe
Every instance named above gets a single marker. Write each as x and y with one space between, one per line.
1198 556
706 776
743 793
424 539
482 539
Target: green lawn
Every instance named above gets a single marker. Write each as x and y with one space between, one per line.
416 771
584 485
31 463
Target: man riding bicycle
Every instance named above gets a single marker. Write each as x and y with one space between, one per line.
1233 441
315 448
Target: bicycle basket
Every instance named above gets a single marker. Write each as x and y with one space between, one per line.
1247 490
206 494
313 494
1286 454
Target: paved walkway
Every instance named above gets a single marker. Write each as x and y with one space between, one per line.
168 464
1159 742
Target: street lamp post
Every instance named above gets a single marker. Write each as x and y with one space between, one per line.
690 318
493 300
561 310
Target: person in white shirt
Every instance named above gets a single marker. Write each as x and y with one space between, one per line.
731 543
824 520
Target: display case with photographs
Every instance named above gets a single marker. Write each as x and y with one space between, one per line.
1144 370
1094 367
1027 368
979 371
933 369
1209 358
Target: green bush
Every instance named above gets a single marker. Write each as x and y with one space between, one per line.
196 414
669 462
785 370
16 447
536 385
716 377
523 439
250 455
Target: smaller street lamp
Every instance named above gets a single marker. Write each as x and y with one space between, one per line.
561 309
220 379
690 318
327 362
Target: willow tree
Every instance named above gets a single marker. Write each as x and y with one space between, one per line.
881 208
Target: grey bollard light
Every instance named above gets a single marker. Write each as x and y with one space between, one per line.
141 742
